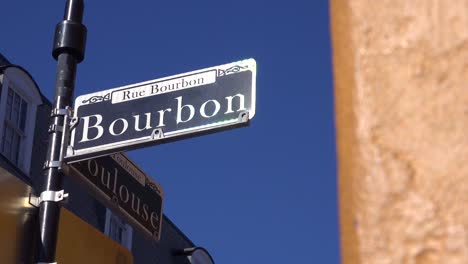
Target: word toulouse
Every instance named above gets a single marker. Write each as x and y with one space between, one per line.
109 179
184 113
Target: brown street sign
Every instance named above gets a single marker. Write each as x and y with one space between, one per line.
163 110
123 187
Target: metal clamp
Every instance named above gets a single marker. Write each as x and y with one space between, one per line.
66 132
52 164
59 112
48 196
55 128
68 124
67 111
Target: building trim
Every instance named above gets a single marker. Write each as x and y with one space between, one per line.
178 231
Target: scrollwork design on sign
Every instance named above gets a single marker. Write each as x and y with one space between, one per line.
230 70
153 186
97 99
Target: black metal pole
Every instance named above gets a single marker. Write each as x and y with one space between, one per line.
68 50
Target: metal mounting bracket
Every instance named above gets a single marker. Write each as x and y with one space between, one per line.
66 132
243 116
55 128
59 112
48 196
157 134
70 151
74 122
52 164
68 124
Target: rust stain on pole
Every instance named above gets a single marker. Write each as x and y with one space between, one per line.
401 95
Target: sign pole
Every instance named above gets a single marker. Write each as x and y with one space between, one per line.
68 50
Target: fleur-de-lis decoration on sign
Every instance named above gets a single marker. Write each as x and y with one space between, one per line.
97 99
230 70
153 187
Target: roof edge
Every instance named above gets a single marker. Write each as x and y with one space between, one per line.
4 67
178 230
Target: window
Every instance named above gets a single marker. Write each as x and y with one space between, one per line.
19 98
118 230
14 126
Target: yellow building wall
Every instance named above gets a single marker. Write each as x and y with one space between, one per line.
401 101
78 242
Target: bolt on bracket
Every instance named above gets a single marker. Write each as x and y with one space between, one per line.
157 134
243 116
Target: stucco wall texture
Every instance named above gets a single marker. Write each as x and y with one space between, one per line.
401 100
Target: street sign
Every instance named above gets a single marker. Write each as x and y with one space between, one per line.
123 187
163 110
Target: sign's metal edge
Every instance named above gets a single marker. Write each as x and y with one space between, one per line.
254 88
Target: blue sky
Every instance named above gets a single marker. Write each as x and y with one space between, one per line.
261 194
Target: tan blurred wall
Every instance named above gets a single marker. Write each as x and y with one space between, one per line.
401 95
